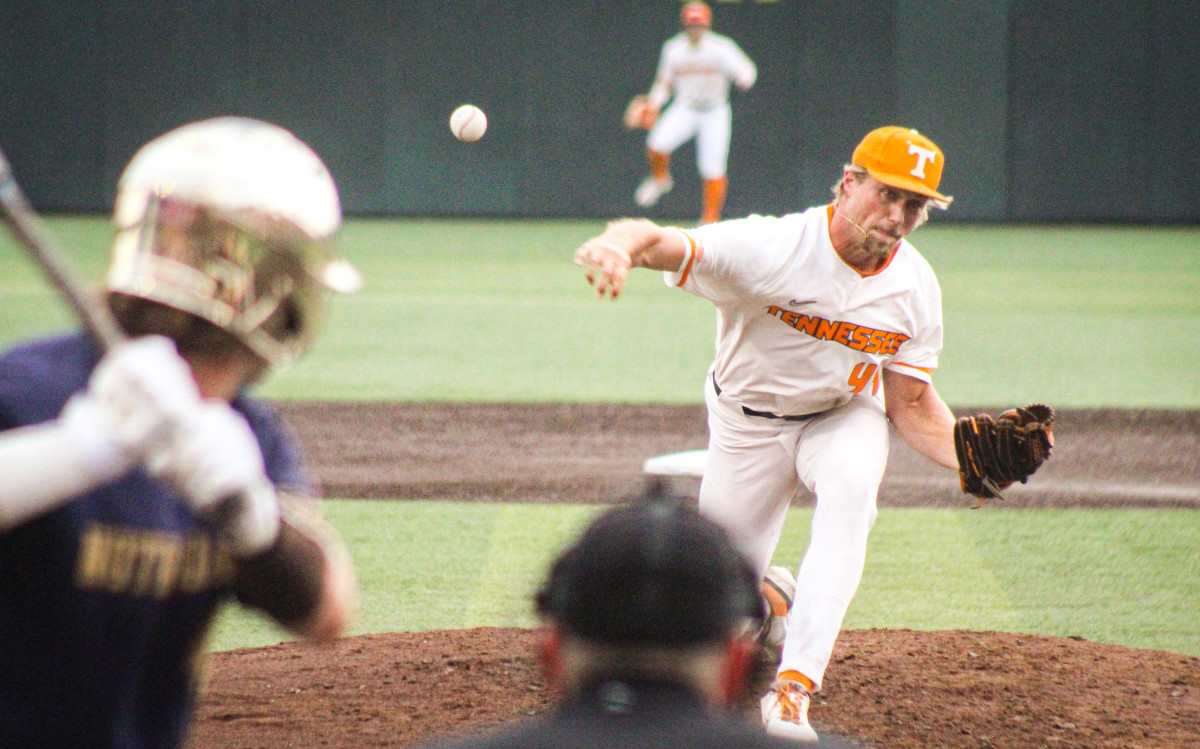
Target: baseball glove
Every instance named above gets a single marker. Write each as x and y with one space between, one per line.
995 453
640 114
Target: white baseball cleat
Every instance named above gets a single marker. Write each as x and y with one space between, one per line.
778 590
785 712
651 190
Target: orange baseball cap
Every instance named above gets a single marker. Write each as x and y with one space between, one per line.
903 158
696 13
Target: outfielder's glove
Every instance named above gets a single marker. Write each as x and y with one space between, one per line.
640 114
995 453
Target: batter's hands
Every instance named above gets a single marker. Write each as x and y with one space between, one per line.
134 398
214 462
606 265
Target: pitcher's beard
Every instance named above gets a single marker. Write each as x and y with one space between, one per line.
878 248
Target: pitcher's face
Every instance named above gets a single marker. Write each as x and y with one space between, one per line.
884 213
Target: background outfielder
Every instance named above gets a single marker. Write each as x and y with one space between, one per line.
829 326
140 486
695 70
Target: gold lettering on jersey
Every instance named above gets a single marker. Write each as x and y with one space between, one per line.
858 337
149 563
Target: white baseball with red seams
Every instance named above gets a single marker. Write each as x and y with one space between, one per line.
468 123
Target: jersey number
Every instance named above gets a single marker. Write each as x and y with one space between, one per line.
863 374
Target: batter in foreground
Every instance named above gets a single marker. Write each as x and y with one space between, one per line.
829 325
141 487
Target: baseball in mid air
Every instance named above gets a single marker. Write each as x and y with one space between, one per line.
468 123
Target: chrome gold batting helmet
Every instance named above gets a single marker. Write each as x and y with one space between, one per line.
232 220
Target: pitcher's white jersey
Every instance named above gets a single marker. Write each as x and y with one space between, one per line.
799 330
699 74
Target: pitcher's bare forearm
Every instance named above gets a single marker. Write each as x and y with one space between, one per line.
921 417
626 244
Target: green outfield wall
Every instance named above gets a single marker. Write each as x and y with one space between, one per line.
1047 110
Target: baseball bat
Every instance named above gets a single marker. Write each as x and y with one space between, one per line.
30 231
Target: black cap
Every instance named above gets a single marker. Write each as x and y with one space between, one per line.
652 571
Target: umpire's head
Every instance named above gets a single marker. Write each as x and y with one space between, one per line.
653 591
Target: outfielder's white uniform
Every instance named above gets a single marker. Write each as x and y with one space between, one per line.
696 79
801 332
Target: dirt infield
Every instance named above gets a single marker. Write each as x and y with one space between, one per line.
887 688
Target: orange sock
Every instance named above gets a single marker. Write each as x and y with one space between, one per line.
791 675
660 165
714 199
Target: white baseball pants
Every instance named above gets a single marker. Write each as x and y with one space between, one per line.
710 127
756 465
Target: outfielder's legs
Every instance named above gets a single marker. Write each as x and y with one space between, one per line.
659 183
712 160
660 165
842 458
714 200
674 127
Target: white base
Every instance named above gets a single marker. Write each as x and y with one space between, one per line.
687 463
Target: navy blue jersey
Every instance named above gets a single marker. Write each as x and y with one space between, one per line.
105 601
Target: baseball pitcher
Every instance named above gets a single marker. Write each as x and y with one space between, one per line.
829 326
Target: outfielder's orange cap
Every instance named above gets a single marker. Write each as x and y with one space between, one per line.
696 13
903 158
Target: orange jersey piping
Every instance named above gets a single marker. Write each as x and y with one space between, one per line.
691 258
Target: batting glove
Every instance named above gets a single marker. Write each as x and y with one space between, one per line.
134 398
215 464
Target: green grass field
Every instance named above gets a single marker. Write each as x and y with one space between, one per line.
1127 577
1078 316
495 311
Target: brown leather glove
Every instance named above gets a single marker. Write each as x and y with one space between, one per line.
995 453
640 114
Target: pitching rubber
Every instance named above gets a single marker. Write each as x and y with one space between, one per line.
687 463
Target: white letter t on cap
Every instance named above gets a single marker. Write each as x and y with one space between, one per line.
924 156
